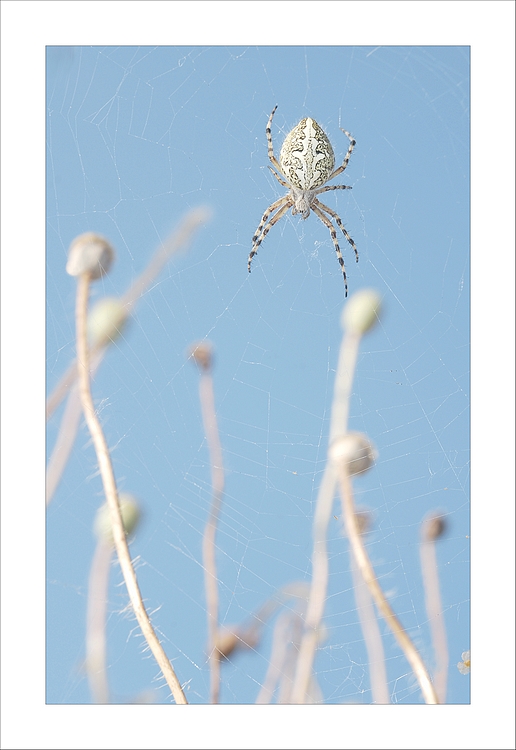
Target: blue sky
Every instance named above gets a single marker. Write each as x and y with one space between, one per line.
136 137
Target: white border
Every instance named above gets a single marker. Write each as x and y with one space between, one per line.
26 28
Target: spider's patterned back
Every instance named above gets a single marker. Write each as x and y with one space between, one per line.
306 157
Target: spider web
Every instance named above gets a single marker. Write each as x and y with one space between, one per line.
136 137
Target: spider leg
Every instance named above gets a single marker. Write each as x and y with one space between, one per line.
283 204
352 144
339 224
333 187
280 179
333 233
270 148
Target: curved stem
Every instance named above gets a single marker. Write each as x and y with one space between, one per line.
372 637
110 489
96 622
178 240
435 614
317 598
209 416
369 576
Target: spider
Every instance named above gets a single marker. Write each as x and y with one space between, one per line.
306 163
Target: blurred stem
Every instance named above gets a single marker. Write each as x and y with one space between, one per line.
209 416
67 429
178 240
96 622
317 598
368 574
372 636
287 672
343 385
65 385
434 611
280 644
64 442
110 490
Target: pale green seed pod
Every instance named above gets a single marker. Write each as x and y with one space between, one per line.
130 511
106 320
90 253
362 311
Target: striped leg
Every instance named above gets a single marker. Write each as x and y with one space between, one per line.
333 234
352 144
270 148
283 204
340 225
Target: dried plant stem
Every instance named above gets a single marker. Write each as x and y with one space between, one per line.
178 240
67 429
67 381
317 598
435 614
343 385
287 673
64 442
96 622
110 489
319 585
280 645
369 576
67 385
372 637
209 417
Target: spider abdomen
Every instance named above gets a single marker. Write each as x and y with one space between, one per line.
306 157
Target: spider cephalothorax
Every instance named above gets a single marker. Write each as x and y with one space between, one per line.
306 163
